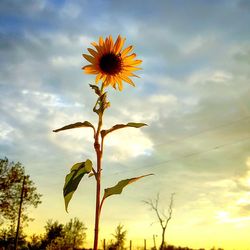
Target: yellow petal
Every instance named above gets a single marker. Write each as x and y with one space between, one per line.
126 51
111 80
119 84
107 41
128 58
90 72
121 45
98 77
118 44
106 84
129 73
104 77
107 80
92 52
98 48
114 86
111 41
88 67
106 46
136 62
101 42
109 44
126 79
135 75
94 44
130 68
89 58
113 83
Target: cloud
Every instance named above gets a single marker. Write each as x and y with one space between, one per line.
163 99
210 77
236 201
127 144
243 182
65 62
70 10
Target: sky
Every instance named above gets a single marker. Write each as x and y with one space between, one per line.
193 93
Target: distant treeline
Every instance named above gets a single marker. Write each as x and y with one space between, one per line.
170 247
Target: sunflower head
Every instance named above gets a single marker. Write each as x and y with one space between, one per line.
110 63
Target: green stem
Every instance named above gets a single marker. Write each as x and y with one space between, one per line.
98 191
99 151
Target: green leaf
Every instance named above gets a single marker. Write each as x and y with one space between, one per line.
117 189
136 124
96 89
101 104
75 125
73 179
119 126
91 174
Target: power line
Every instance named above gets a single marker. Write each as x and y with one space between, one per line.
153 166
191 136
199 133
203 131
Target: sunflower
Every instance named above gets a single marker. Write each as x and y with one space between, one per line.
110 63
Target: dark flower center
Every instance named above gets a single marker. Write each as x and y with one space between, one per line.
110 64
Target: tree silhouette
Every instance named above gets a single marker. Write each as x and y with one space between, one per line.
17 194
54 230
119 237
162 217
74 233
35 242
65 237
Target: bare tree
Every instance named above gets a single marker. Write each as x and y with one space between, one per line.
162 217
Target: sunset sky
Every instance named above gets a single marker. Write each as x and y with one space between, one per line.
193 92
